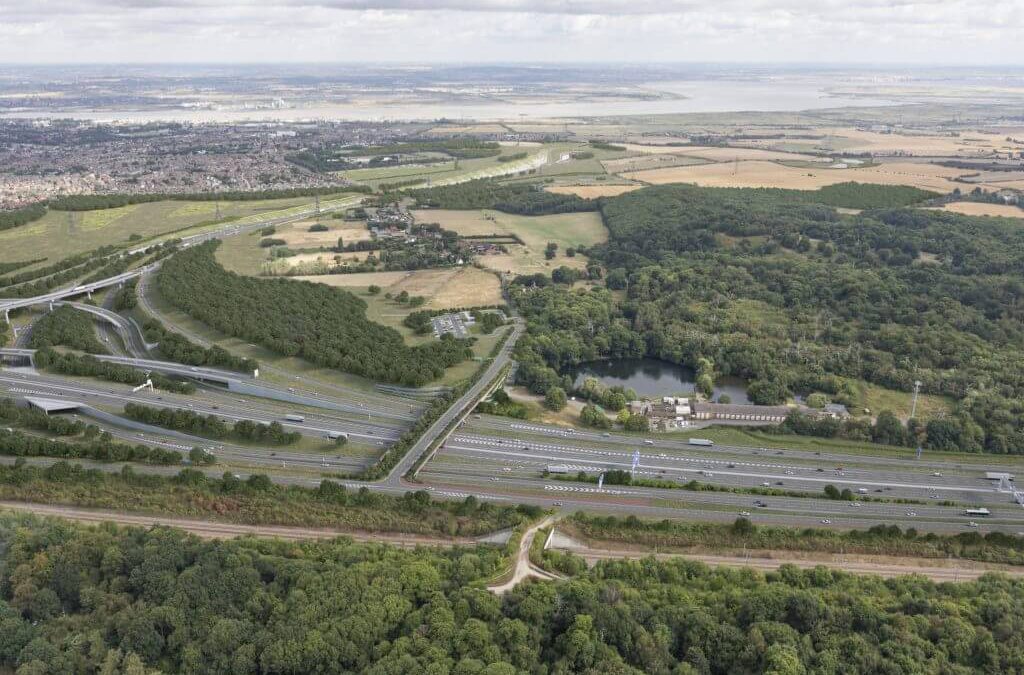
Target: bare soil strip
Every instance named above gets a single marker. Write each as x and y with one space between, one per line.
208 529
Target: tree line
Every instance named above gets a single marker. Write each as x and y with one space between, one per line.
210 426
89 366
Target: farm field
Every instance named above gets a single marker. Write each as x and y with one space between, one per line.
717 154
650 161
593 191
297 235
60 234
569 229
759 173
443 288
982 209
566 230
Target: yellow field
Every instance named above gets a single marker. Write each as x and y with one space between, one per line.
717 154
980 209
443 288
568 229
770 174
593 191
299 236
902 142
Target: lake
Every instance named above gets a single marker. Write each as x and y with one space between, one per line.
654 378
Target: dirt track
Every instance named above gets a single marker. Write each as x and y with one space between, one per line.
962 570
208 529
952 571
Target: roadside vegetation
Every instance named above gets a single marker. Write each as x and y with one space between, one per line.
255 500
211 426
889 540
88 366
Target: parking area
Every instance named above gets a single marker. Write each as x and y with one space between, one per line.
457 324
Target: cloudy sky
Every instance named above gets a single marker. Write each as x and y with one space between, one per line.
833 31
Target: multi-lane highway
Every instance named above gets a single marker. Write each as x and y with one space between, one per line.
495 458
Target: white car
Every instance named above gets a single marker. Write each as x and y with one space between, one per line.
911 513
826 521
937 474
972 524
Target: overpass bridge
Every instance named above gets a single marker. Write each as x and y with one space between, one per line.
239 383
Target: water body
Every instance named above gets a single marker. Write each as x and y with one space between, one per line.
693 96
654 378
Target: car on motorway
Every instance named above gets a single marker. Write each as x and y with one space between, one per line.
648 441
766 484
558 503
789 472
760 504
745 514
826 521
911 513
935 496
606 435
972 524
937 474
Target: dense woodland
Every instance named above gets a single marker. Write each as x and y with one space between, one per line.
326 326
78 599
526 199
797 298
68 327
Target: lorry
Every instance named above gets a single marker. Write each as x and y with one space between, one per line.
292 417
701 441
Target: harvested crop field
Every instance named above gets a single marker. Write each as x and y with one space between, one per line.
443 288
968 144
718 154
299 236
981 209
565 229
770 174
593 191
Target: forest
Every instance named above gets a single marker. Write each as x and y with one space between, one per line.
326 326
796 298
110 600
527 199
68 327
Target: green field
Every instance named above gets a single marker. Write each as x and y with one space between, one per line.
60 234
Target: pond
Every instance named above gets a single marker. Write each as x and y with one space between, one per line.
653 378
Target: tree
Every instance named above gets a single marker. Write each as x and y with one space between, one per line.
373 289
637 422
592 416
550 250
341 244
555 399
888 429
817 400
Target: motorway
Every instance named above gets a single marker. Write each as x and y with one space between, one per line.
500 459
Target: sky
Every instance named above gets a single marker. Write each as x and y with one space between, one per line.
932 32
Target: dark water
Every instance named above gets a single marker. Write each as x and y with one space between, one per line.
653 378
